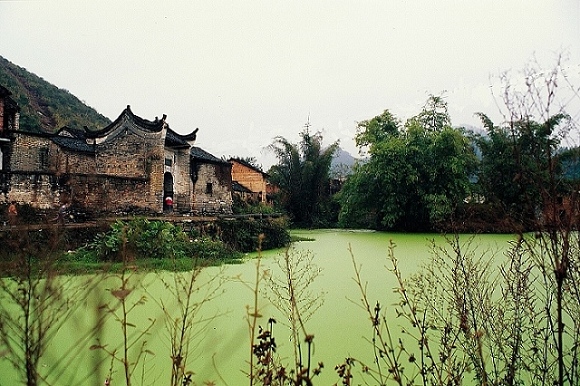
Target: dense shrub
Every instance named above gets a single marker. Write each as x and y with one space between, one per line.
479 218
138 238
243 235
142 238
241 206
206 248
41 241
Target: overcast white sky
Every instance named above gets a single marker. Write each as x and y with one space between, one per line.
247 71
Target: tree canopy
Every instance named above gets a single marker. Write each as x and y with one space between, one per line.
302 174
516 163
416 173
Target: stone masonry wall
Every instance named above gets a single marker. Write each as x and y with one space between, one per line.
128 156
41 190
134 165
220 197
102 193
123 174
183 185
30 176
31 153
67 162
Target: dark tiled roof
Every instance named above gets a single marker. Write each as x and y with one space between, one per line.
237 187
191 136
202 155
154 126
172 139
66 131
74 144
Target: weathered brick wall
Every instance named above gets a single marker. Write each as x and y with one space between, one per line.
182 182
38 154
220 198
32 153
70 162
30 176
41 190
101 193
96 193
125 172
138 160
128 155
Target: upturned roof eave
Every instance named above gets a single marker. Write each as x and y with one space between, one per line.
150 126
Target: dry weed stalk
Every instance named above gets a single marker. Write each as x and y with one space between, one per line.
183 318
253 311
35 302
466 315
548 96
132 350
392 354
293 298
133 347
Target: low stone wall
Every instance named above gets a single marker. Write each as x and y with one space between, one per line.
41 189
94 193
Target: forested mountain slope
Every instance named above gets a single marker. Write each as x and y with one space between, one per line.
44 106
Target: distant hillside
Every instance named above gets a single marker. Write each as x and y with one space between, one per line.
43 106
342 163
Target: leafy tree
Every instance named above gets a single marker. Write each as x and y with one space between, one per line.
377 129
434 116
416 174
516 160
302 174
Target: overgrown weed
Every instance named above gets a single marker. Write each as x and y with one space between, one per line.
184 319
35 302
471 316
291 296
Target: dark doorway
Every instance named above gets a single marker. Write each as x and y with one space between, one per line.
167 189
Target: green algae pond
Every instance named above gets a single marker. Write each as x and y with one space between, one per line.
83 350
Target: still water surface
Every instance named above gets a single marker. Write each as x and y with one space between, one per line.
220 349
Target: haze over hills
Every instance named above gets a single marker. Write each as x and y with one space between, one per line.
343 157
44 106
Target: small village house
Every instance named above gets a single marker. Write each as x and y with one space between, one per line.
250 182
